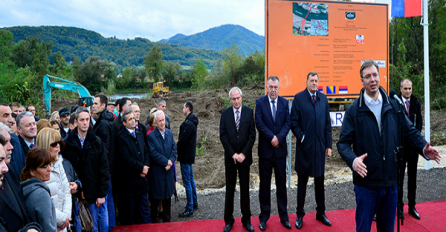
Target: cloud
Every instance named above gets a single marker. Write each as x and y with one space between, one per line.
152 19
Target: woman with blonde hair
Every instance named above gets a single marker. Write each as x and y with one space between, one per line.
37 194
55 116
50 139
42 123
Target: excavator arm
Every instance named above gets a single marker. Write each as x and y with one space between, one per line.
84 96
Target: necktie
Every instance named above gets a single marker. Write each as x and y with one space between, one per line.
314 98
237 120
407 107
274 110
133 134
31 146
82 141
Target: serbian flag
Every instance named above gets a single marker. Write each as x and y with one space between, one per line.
406 8
343 89
320 89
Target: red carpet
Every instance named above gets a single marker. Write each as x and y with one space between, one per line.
432 219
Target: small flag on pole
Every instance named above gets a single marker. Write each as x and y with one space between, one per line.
406 8
320 89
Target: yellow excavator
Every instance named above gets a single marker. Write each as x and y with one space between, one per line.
159 89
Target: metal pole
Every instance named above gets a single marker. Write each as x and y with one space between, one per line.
288 166
427 125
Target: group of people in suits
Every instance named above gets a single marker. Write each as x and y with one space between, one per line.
310 123
369 136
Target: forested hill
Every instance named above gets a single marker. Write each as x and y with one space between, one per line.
221 37
76 42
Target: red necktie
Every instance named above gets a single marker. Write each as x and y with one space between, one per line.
407 107
314 98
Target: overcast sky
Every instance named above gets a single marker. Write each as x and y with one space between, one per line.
152 19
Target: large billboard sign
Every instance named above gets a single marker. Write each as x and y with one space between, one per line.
330 38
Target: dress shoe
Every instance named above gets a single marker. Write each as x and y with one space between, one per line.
298 222
286 224
187 213
262 226
196 205
227 228
323 219
414 213
249 227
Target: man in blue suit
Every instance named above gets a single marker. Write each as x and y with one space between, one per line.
163 154
273 124
311 124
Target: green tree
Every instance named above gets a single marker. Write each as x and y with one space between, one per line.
171 70
94 73
199 73
232 60
59 63
154 62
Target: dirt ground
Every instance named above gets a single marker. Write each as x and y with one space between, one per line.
209 166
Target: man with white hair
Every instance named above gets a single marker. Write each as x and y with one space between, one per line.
237 135
163 154
8 147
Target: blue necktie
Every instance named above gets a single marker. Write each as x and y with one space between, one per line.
274 110
133 134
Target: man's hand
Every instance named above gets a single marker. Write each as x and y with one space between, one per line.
145 169
100 201
241 157
73 187
432 153
234 157
275 142
359 166
169 164
328 152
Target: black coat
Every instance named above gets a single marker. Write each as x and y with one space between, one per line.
144 131
118 124
132 155
91 165
16 217
414 114
25 147
162 182
104 129
63 134
17 156
268 128
234 141
311 120
187 140
360 129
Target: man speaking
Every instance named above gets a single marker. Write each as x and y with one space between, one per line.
371 126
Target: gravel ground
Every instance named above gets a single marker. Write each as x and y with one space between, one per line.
431 187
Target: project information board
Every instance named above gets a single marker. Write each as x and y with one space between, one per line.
330 38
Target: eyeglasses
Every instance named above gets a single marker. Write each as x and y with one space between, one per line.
56 143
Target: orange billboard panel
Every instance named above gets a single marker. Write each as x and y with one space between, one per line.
330 38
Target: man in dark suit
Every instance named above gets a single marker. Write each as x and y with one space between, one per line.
133 157
311 124
124 105
273 124
410 158
12 201
27 130
102 124
163 154
137 112
64 124
237 135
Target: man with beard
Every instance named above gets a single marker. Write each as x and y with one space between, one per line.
64 125
87 154
133 157
27 130
17 156
102 121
